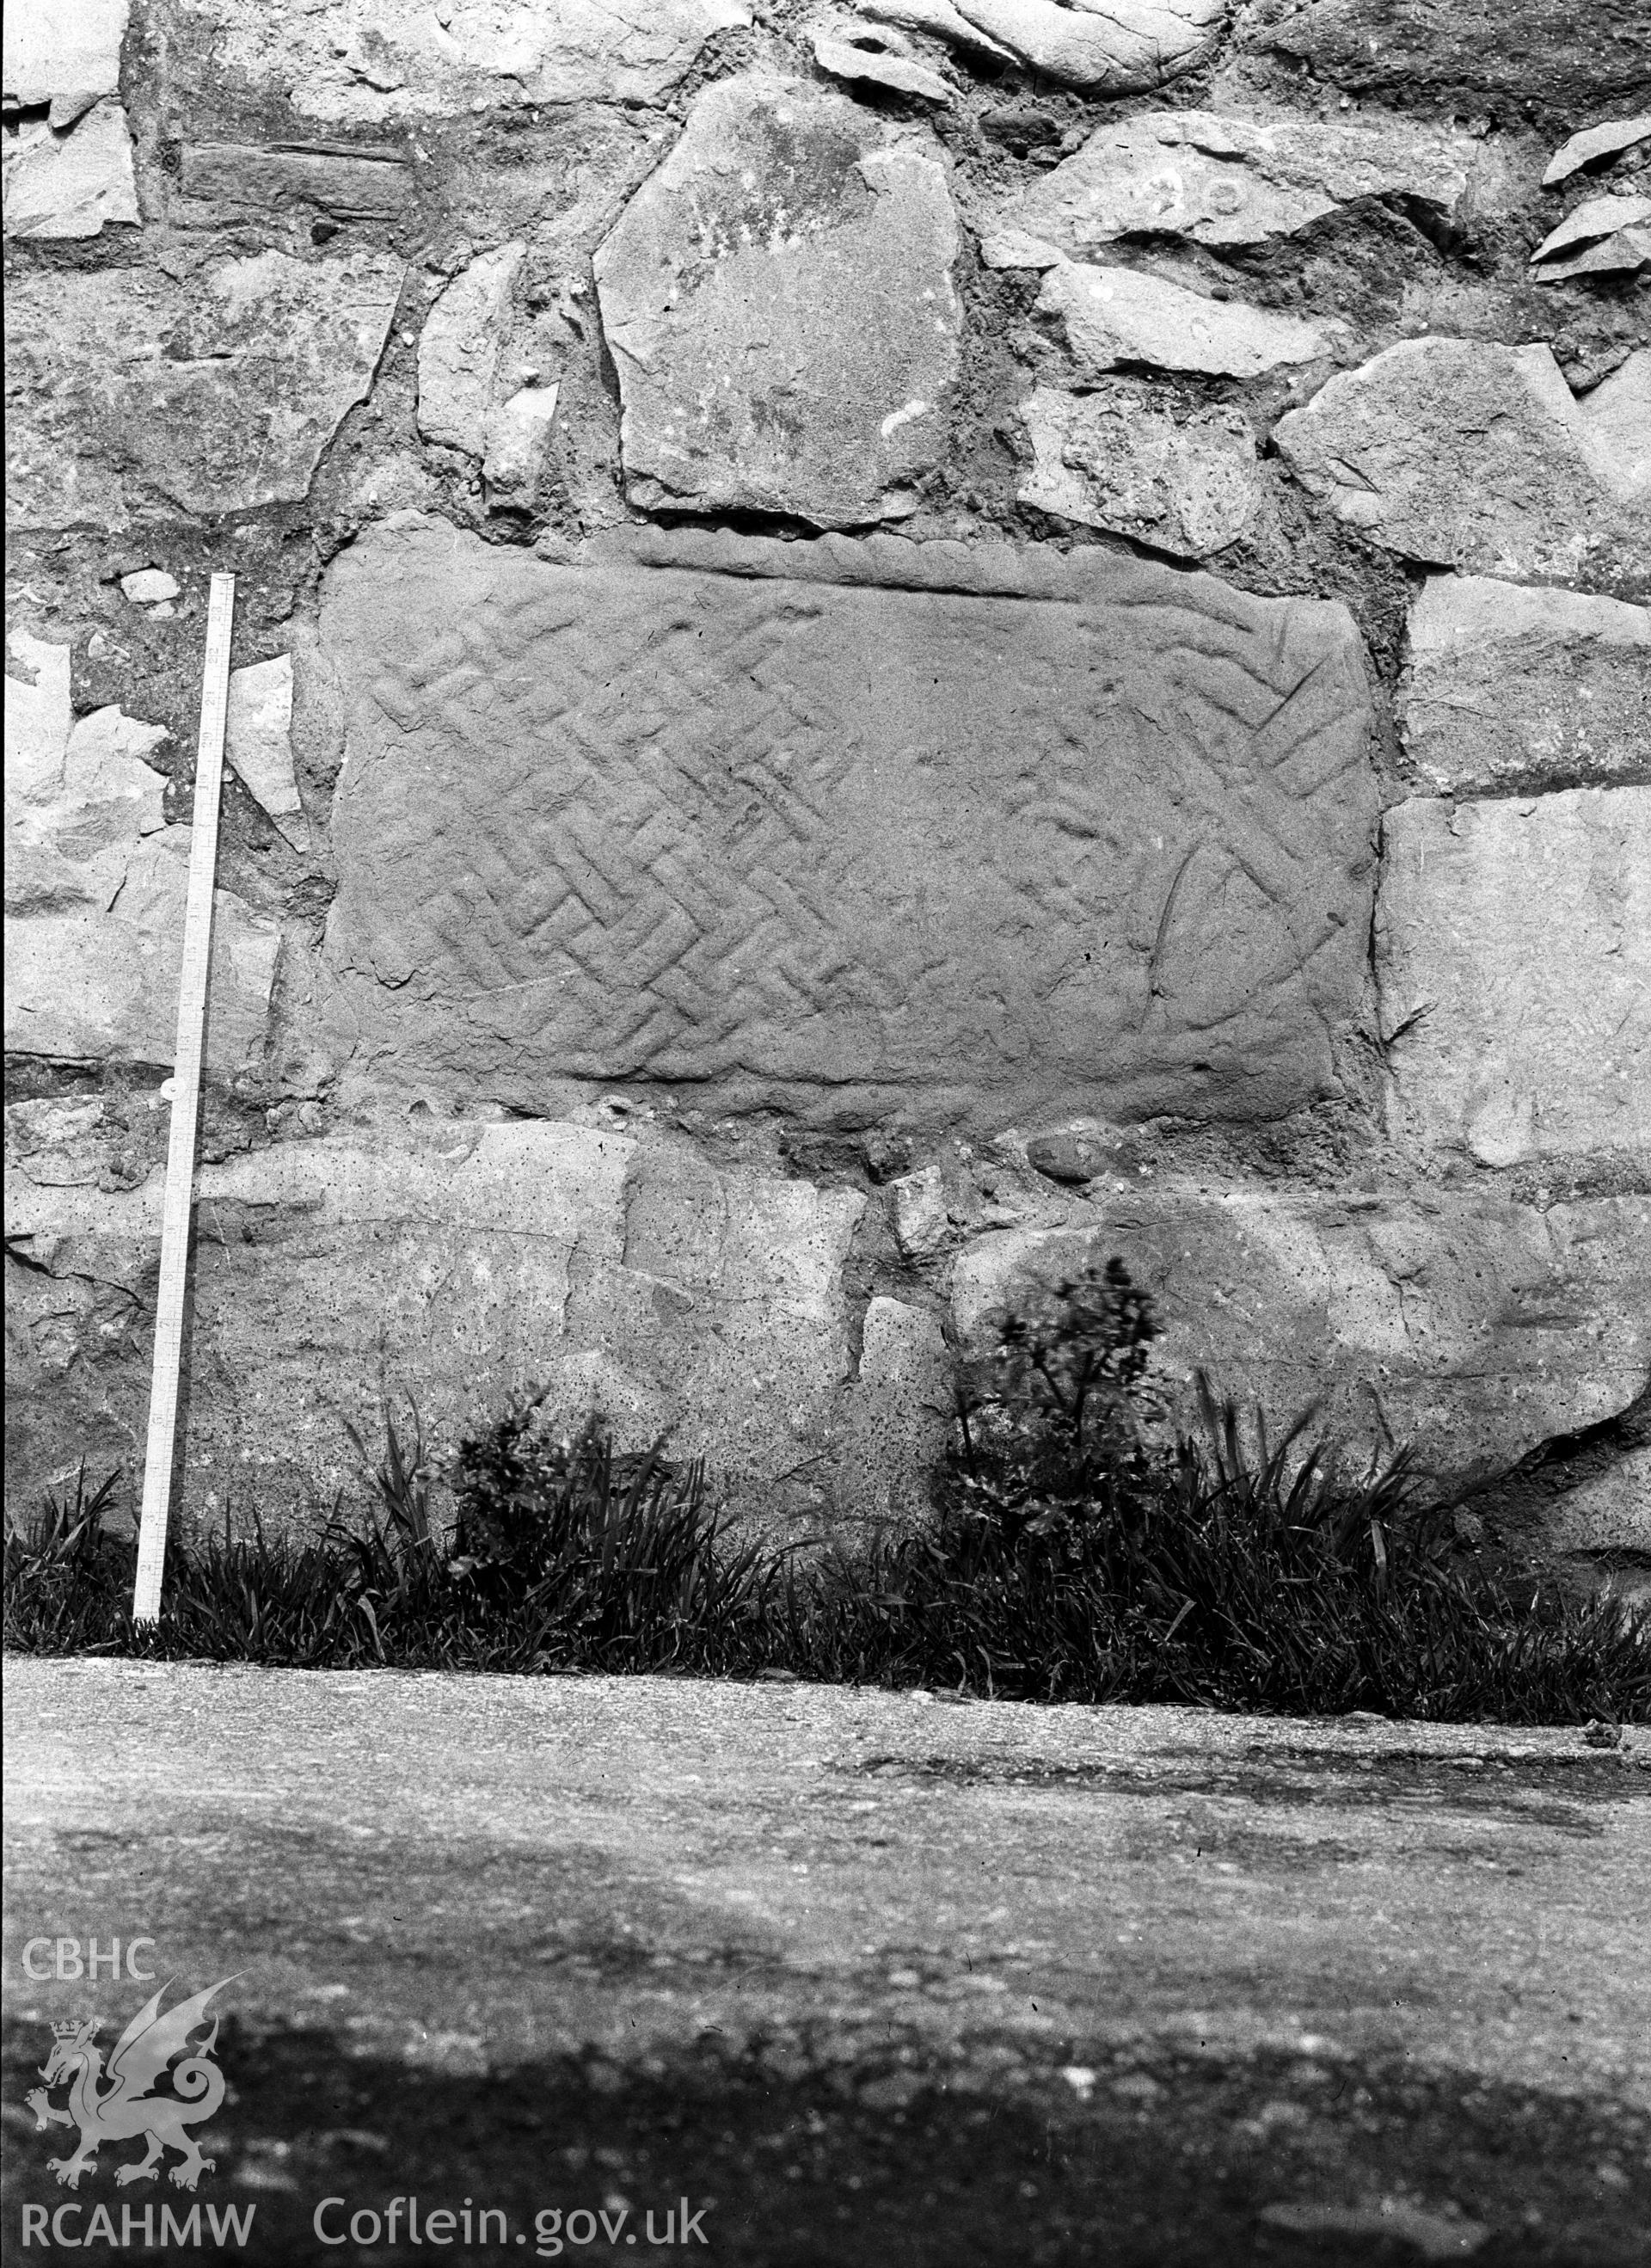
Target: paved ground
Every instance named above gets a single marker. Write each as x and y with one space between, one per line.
863 1977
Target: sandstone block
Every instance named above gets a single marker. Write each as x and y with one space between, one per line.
1514 959
1512 689
1606 236
1604 1527
73 182
408 60
1473 1329
1222 179
459 348
1123 48
895 1417
129 393
1117 316
350 184
473 1262
258 741
778 300
149 586
884 64
1527 52
1187 483
517 440
847 827
66 53
1594 143
98 982
1461 453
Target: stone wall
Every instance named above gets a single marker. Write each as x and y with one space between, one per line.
880 642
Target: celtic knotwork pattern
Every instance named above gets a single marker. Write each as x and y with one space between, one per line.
780 835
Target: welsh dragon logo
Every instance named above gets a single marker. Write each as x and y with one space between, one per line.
125 2108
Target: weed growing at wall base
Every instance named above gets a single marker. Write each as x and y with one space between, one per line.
1078 1550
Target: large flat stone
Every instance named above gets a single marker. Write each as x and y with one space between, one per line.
1461 453
1123 47
1184 482
1544 55
1473 1330
1513 956
848 827
129 393
472 1264
1116 318
404 58
1222 179
1512 689
778 300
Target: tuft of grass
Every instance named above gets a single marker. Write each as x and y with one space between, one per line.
1077 1551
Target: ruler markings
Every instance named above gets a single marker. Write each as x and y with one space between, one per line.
186 1106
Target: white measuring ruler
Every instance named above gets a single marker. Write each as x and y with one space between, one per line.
186 1105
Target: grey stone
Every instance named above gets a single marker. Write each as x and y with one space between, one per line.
66 53
778 300
1461 453
129 393
476 1263
411 60
1512 691
1470 1326
1607 236
1124 47
878 66
348 184
1604 1526
1514 959
101 986
1113 316
459 350
258 743
38 715
1593 143
1187 483
848 827
149 586
1222 180
71 183
1545 55
517 440
1617 417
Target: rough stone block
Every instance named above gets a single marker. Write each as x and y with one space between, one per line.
1512 689
1514 957
129 393
258 741
1117 317
1222 180
405 59
73 182
1123 49
1473 1330
1462 453
459 348
1604 1527
778 300
845 829
95 889
350 184
1544 55
473 1262
1183 482
66 53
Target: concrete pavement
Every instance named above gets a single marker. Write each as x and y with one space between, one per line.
1085 1984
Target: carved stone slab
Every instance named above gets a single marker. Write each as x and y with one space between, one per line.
851 829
